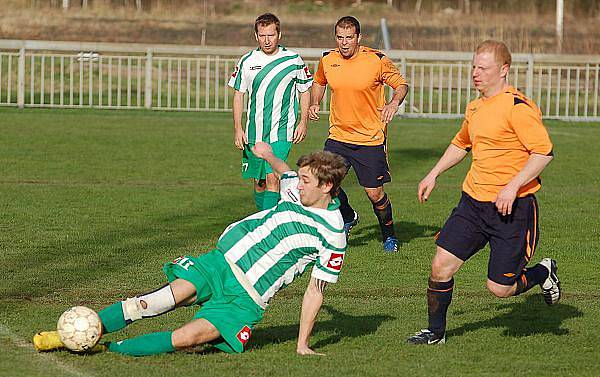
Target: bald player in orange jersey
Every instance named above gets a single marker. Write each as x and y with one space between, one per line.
359 117
510 146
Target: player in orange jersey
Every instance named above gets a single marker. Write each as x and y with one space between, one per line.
359 116
510 145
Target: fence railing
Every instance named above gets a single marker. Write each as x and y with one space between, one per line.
193 78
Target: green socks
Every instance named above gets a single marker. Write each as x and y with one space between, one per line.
144 345
271 199
259 197
112 318
266 199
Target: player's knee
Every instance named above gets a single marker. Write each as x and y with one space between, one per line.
440 271
375 195
501 291
183 338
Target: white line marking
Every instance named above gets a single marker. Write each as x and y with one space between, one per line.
53 360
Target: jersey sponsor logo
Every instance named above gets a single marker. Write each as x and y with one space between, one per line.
335 261
307 72
235 72
335 65
255 67
244 335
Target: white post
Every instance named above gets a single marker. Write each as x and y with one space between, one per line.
529 88
559 23
148 87
21 79
65 4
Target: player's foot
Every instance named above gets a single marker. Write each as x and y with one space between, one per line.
550 286
348 226
390 245
47 341
426 337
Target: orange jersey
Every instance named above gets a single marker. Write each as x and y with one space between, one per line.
502 132
356 86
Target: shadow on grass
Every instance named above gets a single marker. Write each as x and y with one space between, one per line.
529 317
405 231
341 325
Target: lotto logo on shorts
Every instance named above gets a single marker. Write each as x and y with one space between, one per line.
244 335
335 261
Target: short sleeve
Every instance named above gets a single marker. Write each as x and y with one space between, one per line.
288 187
329 263
320 74
462 138
526 121
390 73
237 80
304 79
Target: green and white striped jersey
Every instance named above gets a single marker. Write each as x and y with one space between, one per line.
269 249
272 83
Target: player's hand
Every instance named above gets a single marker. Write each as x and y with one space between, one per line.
300 132
505 200
388 111
313 112
239 138
425 187
262 150
305 350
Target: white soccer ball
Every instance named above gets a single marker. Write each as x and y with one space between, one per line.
79 328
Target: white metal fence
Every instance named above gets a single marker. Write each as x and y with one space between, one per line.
192 78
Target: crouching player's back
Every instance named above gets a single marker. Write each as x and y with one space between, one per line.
255 257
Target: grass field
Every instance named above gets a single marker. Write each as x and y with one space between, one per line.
94 202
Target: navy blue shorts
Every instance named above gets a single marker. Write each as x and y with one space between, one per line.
368 161
512 238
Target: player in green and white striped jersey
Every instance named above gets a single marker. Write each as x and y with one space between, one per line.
254 259
272 76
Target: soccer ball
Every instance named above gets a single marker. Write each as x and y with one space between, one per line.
79 328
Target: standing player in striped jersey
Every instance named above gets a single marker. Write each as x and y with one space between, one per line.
254 259
503 129
271 75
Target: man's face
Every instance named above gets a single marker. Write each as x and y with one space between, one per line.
488 73
268 38
347 41
308 185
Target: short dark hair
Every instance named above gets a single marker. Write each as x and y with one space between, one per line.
327 167
266 20
347 22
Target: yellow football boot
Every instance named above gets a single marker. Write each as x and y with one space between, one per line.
47 341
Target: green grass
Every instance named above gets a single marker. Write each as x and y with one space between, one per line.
94 202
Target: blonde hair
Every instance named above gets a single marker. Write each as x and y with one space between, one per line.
499 49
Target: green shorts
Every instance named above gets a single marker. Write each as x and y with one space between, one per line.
224 302
257 168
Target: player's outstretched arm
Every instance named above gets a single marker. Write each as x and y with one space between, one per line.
452 156
264 151
311 304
